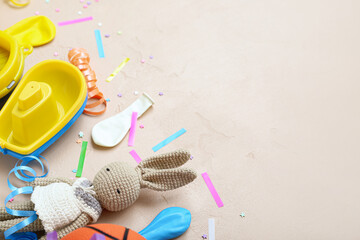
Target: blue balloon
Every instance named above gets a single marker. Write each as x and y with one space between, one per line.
168 224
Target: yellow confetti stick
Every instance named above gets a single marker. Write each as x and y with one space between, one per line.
117 70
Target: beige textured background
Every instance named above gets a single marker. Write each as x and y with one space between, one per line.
267 90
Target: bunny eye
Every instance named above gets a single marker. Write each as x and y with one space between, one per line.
118 191
108 169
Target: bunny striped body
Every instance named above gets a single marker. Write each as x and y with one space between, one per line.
59 204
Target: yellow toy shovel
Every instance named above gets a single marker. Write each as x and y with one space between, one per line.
16 43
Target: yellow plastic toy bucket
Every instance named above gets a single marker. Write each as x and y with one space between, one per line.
16 43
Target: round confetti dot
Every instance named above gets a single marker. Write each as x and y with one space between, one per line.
82 1
79 12
108 99
57 10
37 13
141 126
96 0
191 157
107 35
74 170
56 54
119 95
99 24
142 61
161 93
88 3
136 93
85 6
119 32
151 57
81 134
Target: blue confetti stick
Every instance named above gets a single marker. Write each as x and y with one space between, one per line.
99 43
169 140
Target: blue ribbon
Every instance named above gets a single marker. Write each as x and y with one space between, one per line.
24 236
21 171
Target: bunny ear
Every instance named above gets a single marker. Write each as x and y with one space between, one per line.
164 180
166 161
161 172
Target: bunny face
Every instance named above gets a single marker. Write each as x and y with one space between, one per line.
117 186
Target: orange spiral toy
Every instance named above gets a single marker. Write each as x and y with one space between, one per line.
81 59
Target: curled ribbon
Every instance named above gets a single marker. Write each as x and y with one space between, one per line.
20 3
19 171
80 58
24 236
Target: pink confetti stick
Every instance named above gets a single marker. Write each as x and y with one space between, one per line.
212 189
135 156
75 21
132 129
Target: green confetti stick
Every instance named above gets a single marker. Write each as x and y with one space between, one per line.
81 159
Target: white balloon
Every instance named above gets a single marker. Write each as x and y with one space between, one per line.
110 132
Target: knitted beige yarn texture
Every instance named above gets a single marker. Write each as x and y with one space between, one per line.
37 226
64 205
167 160
161 172
165 180
80 222
117 186
33 227
57 204
46 181
27 205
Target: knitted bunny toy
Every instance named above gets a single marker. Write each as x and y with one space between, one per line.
65 205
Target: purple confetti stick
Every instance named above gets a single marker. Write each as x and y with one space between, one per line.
51 235
97 236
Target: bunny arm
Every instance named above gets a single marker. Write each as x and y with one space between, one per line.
33 227
49 180
25 206
80 222
166 161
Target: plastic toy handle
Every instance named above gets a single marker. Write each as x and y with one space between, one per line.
168 224
20 3
27 49
34 31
